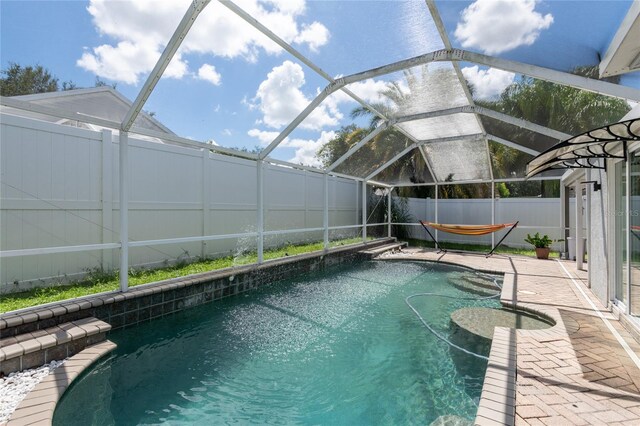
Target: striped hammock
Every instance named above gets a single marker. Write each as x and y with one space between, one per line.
468 229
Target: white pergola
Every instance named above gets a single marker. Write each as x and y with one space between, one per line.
468 113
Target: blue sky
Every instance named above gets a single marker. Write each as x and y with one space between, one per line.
230 84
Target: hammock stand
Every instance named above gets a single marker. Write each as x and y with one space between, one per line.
468 230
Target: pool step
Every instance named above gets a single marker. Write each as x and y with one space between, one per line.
473 283
376 251
29 350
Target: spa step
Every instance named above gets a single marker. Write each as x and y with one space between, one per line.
385 248
473 283
39 347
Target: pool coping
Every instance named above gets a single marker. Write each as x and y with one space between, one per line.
39 405
533 390
497 404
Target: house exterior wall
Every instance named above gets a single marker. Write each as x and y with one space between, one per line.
597 233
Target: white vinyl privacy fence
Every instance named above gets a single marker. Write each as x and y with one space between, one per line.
60 190
59 209
534 215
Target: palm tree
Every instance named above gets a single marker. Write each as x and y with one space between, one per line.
555 106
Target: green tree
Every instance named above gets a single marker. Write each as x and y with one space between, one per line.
101 83
555 106
27 80
69 85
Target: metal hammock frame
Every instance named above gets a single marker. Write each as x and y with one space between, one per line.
461 228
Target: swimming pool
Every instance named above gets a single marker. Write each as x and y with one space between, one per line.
339 347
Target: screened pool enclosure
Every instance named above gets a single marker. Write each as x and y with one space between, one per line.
430 128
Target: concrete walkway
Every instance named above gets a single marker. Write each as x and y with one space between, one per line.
577 372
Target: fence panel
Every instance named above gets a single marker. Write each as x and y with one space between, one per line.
535 215
60 188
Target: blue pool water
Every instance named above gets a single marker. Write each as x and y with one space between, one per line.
334 348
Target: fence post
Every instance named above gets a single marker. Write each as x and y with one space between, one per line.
206 200
364 211
389 212
124 210
436 210
325 215
260 209
107 198
493 212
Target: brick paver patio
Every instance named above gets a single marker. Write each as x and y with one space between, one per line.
577 372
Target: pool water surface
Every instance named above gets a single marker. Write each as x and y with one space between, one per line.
331 348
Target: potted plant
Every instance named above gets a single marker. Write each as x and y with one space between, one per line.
541 244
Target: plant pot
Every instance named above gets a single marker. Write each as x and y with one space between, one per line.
542 252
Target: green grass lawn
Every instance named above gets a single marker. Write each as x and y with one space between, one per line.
99 281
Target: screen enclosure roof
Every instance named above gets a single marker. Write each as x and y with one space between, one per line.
433 122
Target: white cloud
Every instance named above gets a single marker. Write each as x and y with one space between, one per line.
496 26
124 61
208 73
280 100
177 68
315 35
141 28
265 137
119 63
227 132
487 83
305 149
368 90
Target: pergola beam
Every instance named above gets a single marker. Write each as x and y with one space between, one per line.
169 51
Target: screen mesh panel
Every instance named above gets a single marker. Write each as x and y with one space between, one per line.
410 168
441 127
375 153
517 135
395 31
458 160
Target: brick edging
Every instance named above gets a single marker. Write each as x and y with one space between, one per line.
39 405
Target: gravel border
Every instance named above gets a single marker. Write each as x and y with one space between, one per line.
15 386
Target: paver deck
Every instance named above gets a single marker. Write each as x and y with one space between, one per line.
576 372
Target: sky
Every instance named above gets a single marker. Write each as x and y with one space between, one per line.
230 84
